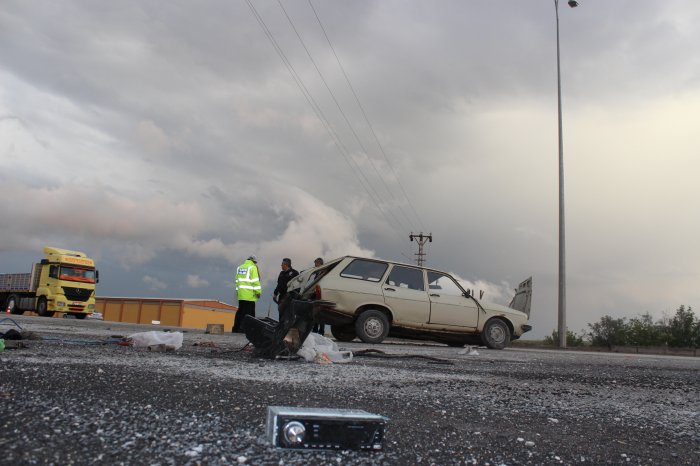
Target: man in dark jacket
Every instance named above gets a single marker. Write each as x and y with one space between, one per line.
285 275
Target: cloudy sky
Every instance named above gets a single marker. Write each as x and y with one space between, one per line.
169 140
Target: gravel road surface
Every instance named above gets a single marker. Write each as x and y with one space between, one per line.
67 401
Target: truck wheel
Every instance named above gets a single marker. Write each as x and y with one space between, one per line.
372 326
496 334
343 332
42 308
12 305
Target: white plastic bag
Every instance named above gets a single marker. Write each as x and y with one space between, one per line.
317 348
469 350
155 338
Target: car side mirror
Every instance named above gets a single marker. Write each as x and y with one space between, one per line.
468 294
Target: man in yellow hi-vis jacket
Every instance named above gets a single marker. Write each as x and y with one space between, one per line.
248 289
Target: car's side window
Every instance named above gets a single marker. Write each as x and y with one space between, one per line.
439 283
365 270
406 277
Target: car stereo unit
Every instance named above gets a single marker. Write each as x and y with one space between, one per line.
324 428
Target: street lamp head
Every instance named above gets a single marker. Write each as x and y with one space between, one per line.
573 3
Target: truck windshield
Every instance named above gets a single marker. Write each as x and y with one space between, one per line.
77 274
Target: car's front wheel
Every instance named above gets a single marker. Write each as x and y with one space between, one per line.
496 334
343 332
372 326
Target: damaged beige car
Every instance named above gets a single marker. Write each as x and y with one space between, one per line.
375 299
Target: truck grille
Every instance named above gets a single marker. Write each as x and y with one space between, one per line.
77 294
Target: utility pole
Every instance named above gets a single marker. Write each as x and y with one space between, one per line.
421 239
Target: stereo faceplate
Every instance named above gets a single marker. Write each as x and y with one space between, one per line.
324 428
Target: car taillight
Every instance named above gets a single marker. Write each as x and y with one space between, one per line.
317 291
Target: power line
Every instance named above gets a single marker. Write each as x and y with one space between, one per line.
318 111
364 114
340 109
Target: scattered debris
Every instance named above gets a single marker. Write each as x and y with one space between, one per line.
322 350
11 334
272 339
156 339
205 344
469 351
161 348
215 329
14 344
11 339
375 353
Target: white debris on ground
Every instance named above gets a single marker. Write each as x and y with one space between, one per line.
322 350
469 351
157 340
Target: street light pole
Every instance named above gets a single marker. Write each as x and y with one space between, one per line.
562 243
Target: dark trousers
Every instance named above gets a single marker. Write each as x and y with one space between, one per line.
245 308
319 328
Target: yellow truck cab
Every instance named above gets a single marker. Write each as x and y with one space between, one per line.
64 281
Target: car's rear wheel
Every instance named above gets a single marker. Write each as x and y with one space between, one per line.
343 332
372 326
496 334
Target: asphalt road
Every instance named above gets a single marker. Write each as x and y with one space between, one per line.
64 400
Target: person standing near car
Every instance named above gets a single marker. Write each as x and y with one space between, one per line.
285 275
248 289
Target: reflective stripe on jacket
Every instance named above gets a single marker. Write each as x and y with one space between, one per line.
248 281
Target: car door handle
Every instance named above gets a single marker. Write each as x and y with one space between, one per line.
435 294
389 289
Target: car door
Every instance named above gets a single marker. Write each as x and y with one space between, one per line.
448 304
405 294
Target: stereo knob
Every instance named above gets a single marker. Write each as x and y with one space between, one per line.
294 432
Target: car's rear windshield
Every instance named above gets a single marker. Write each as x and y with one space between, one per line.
362 269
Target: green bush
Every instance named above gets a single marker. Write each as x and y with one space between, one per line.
572 339
643 331
681 331
608 332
